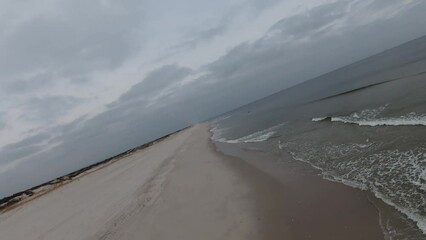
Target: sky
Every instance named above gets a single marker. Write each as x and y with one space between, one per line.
81 80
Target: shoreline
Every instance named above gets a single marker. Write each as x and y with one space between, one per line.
268 194
188 187
314 207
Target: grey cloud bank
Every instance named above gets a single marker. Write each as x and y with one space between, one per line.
76 37
105 35
155 82
49 107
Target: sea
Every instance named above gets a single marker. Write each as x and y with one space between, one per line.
363 125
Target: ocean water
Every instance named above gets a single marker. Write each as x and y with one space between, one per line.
365 127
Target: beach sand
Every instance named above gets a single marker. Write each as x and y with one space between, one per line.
182 188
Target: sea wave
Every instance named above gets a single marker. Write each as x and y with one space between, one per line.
318 119
400 121
219 119
217 132
373 117
252 138
397 177
256 137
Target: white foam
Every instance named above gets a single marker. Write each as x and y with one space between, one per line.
346 182
399 121
252 138
397 177
259 136
423 175
214 121
217 133
280 146
417 218
318 119
373 118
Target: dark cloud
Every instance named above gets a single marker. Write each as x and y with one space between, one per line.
259 5
203 36
50 107
79 80
378 5
78 38
10 155
310 21
2 122
24 148
63 130
209 33
30 141
33 83
155 81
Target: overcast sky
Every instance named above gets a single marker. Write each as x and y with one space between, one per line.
83 80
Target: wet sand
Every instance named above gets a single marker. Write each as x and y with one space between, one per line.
311 207
181 188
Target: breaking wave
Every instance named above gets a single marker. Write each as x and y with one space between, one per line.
318 119
373 117
259 136
395 176
252 138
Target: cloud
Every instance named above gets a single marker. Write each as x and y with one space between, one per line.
79 80
205 33
22 149
78 37
155 82
51 48
50 107
30 84
276 61
259 5
310 21
200 37
11 155
2 122
30 141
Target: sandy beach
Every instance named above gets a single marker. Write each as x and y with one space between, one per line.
176 189
181 188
